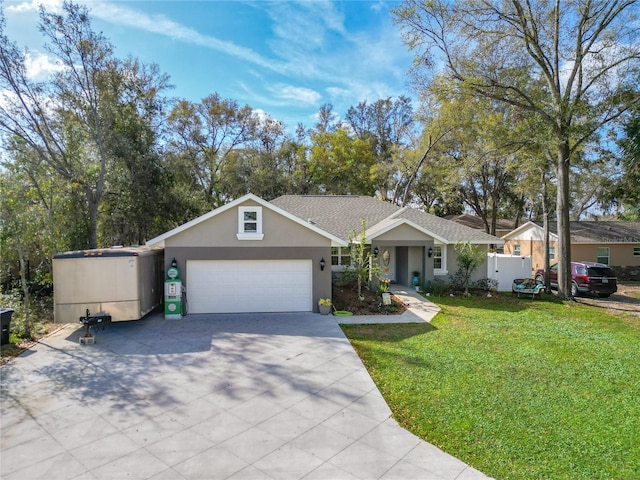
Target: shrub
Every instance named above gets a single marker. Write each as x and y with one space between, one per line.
437 287
486 284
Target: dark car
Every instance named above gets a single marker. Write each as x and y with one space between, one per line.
587 277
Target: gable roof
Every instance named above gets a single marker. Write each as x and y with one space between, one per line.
342 214
159 240
473 221
590 231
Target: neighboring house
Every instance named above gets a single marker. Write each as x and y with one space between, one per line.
503 225
257 256
614 243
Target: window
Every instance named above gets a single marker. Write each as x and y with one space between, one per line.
603 255
552 253
516 249
250 223
440 260
636 251
340 256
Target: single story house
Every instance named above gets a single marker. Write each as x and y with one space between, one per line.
503 225
252 255
615 243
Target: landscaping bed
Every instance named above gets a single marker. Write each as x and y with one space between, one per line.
345 298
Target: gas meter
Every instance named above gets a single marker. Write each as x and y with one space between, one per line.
173 293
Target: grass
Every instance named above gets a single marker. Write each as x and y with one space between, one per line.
517 388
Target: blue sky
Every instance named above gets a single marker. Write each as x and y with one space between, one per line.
284 58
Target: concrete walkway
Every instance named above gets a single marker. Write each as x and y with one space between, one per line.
280 396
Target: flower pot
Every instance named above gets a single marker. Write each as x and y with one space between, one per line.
325 309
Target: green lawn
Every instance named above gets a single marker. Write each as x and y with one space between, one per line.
517 388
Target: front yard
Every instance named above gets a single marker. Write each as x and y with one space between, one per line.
517 388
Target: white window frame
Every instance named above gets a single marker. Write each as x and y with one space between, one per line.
342 252
443 256
552 253
516 249
249 234
599 256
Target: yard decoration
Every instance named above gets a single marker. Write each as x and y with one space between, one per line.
527 286
324 304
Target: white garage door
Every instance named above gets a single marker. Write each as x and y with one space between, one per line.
240 286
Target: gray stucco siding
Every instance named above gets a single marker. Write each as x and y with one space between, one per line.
221 231
403 235
452 264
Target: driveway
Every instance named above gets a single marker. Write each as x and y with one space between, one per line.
622 301
280 396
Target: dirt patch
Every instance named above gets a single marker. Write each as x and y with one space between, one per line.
627 299
346 298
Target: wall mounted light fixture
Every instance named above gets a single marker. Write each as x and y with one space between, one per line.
430 252
376 251
322 263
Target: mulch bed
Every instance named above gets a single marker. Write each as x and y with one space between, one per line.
346 298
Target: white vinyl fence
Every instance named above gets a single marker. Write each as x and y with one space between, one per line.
505 268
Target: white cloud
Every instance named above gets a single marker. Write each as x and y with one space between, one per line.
34 5
298 94
40 66
161 25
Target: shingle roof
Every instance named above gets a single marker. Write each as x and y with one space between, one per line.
592 231
474 221
342 214
607 231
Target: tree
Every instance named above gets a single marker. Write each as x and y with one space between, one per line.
470 257
69 120
205 136
571 63
341 164
386 125
625 192
361 265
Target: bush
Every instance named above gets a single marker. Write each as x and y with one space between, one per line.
347 278
486 284
436 287
41 312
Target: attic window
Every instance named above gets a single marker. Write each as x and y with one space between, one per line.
250 223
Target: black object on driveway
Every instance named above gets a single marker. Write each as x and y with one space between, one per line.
5 316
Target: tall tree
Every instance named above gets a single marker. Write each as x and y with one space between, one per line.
341 164
626 193
387 126
205 136
67 120
569 62
583 51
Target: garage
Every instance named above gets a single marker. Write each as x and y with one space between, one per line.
243 286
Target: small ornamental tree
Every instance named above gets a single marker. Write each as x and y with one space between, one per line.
361 261
470 257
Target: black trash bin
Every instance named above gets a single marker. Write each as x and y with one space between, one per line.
5 317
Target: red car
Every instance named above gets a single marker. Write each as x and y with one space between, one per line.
587 277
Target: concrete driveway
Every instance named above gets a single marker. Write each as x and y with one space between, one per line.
280 396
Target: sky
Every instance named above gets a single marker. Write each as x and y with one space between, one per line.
283 58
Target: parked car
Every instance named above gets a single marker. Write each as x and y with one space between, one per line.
587 277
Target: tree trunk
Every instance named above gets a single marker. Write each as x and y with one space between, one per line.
545 227
93 205
562 212
24 281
